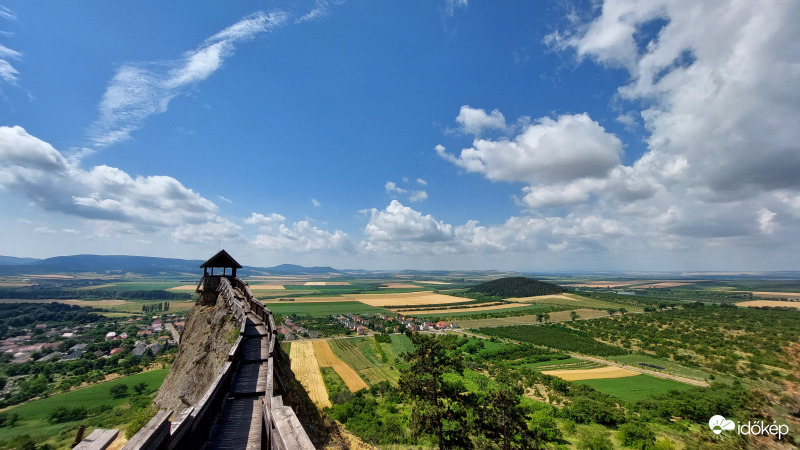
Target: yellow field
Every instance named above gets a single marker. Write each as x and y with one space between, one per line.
410 298
431 282
185 287
777 294
326 283
265 287
306 369
662 285
97 286
558 316
458 310
544 298
95 303
399 286
602 283
326 358
770 303
591 374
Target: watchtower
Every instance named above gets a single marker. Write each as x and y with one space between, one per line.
222 261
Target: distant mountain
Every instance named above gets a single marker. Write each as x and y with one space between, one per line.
13 261
291 269
147 265
513 287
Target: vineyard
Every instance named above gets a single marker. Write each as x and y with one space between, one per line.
359 354
555 336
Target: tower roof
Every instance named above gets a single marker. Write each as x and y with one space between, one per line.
221 259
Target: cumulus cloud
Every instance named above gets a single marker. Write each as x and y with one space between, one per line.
413 195
37 171
140 90
401 223
303 237
475 121
208 232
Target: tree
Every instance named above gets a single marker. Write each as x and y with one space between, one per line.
539 317
573 316
118 391
546 317
594 439
636 435
611 311
502 420
139 388
622 311
438 406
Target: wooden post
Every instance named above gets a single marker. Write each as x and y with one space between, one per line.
79 437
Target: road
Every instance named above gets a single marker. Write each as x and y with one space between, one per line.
175 335
624 366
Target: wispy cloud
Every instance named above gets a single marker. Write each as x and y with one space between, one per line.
320 11
140 90
8 73
451 5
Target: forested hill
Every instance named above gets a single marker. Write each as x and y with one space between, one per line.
517 287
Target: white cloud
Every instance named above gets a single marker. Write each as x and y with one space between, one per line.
561 150
8 73
316 203
302 237
401 223
475 121
451 5
413 195
319 11
422 182
40 173
209 232
139 90
265 221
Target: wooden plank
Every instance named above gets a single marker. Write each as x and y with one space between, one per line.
268 389
250 379
212 391
291 432
238 426
98 440
235 349
153 435
180 426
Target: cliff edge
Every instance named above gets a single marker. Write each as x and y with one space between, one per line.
209 334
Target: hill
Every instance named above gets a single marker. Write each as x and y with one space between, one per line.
517 287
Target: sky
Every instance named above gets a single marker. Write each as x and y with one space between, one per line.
562 135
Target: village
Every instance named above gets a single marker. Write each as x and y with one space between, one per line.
362 325
69 343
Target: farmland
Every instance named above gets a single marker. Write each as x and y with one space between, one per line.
326 358
306 368
103 411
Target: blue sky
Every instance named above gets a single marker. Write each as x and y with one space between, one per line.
451 134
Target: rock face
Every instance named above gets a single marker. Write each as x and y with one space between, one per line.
208 337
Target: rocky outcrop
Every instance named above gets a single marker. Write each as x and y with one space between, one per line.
209 335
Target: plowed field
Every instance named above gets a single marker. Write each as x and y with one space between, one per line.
326 358
306 369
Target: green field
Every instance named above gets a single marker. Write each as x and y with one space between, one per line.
523 307
631 389
400 344
322 309
583 302
358 354
33 415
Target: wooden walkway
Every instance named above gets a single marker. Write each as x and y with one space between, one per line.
239 424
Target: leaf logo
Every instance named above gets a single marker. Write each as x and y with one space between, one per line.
718 424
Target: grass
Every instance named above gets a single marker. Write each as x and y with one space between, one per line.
631 389
323 308
581 302
33 415
514 309
400 344
135 306
358 354
668 365
562 364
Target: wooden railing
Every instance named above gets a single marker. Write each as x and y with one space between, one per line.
281 428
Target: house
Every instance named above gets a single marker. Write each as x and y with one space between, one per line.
123 335
139 348
115 351
361 330
313 334
144 333
49 356
68 335
441 324
111 336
